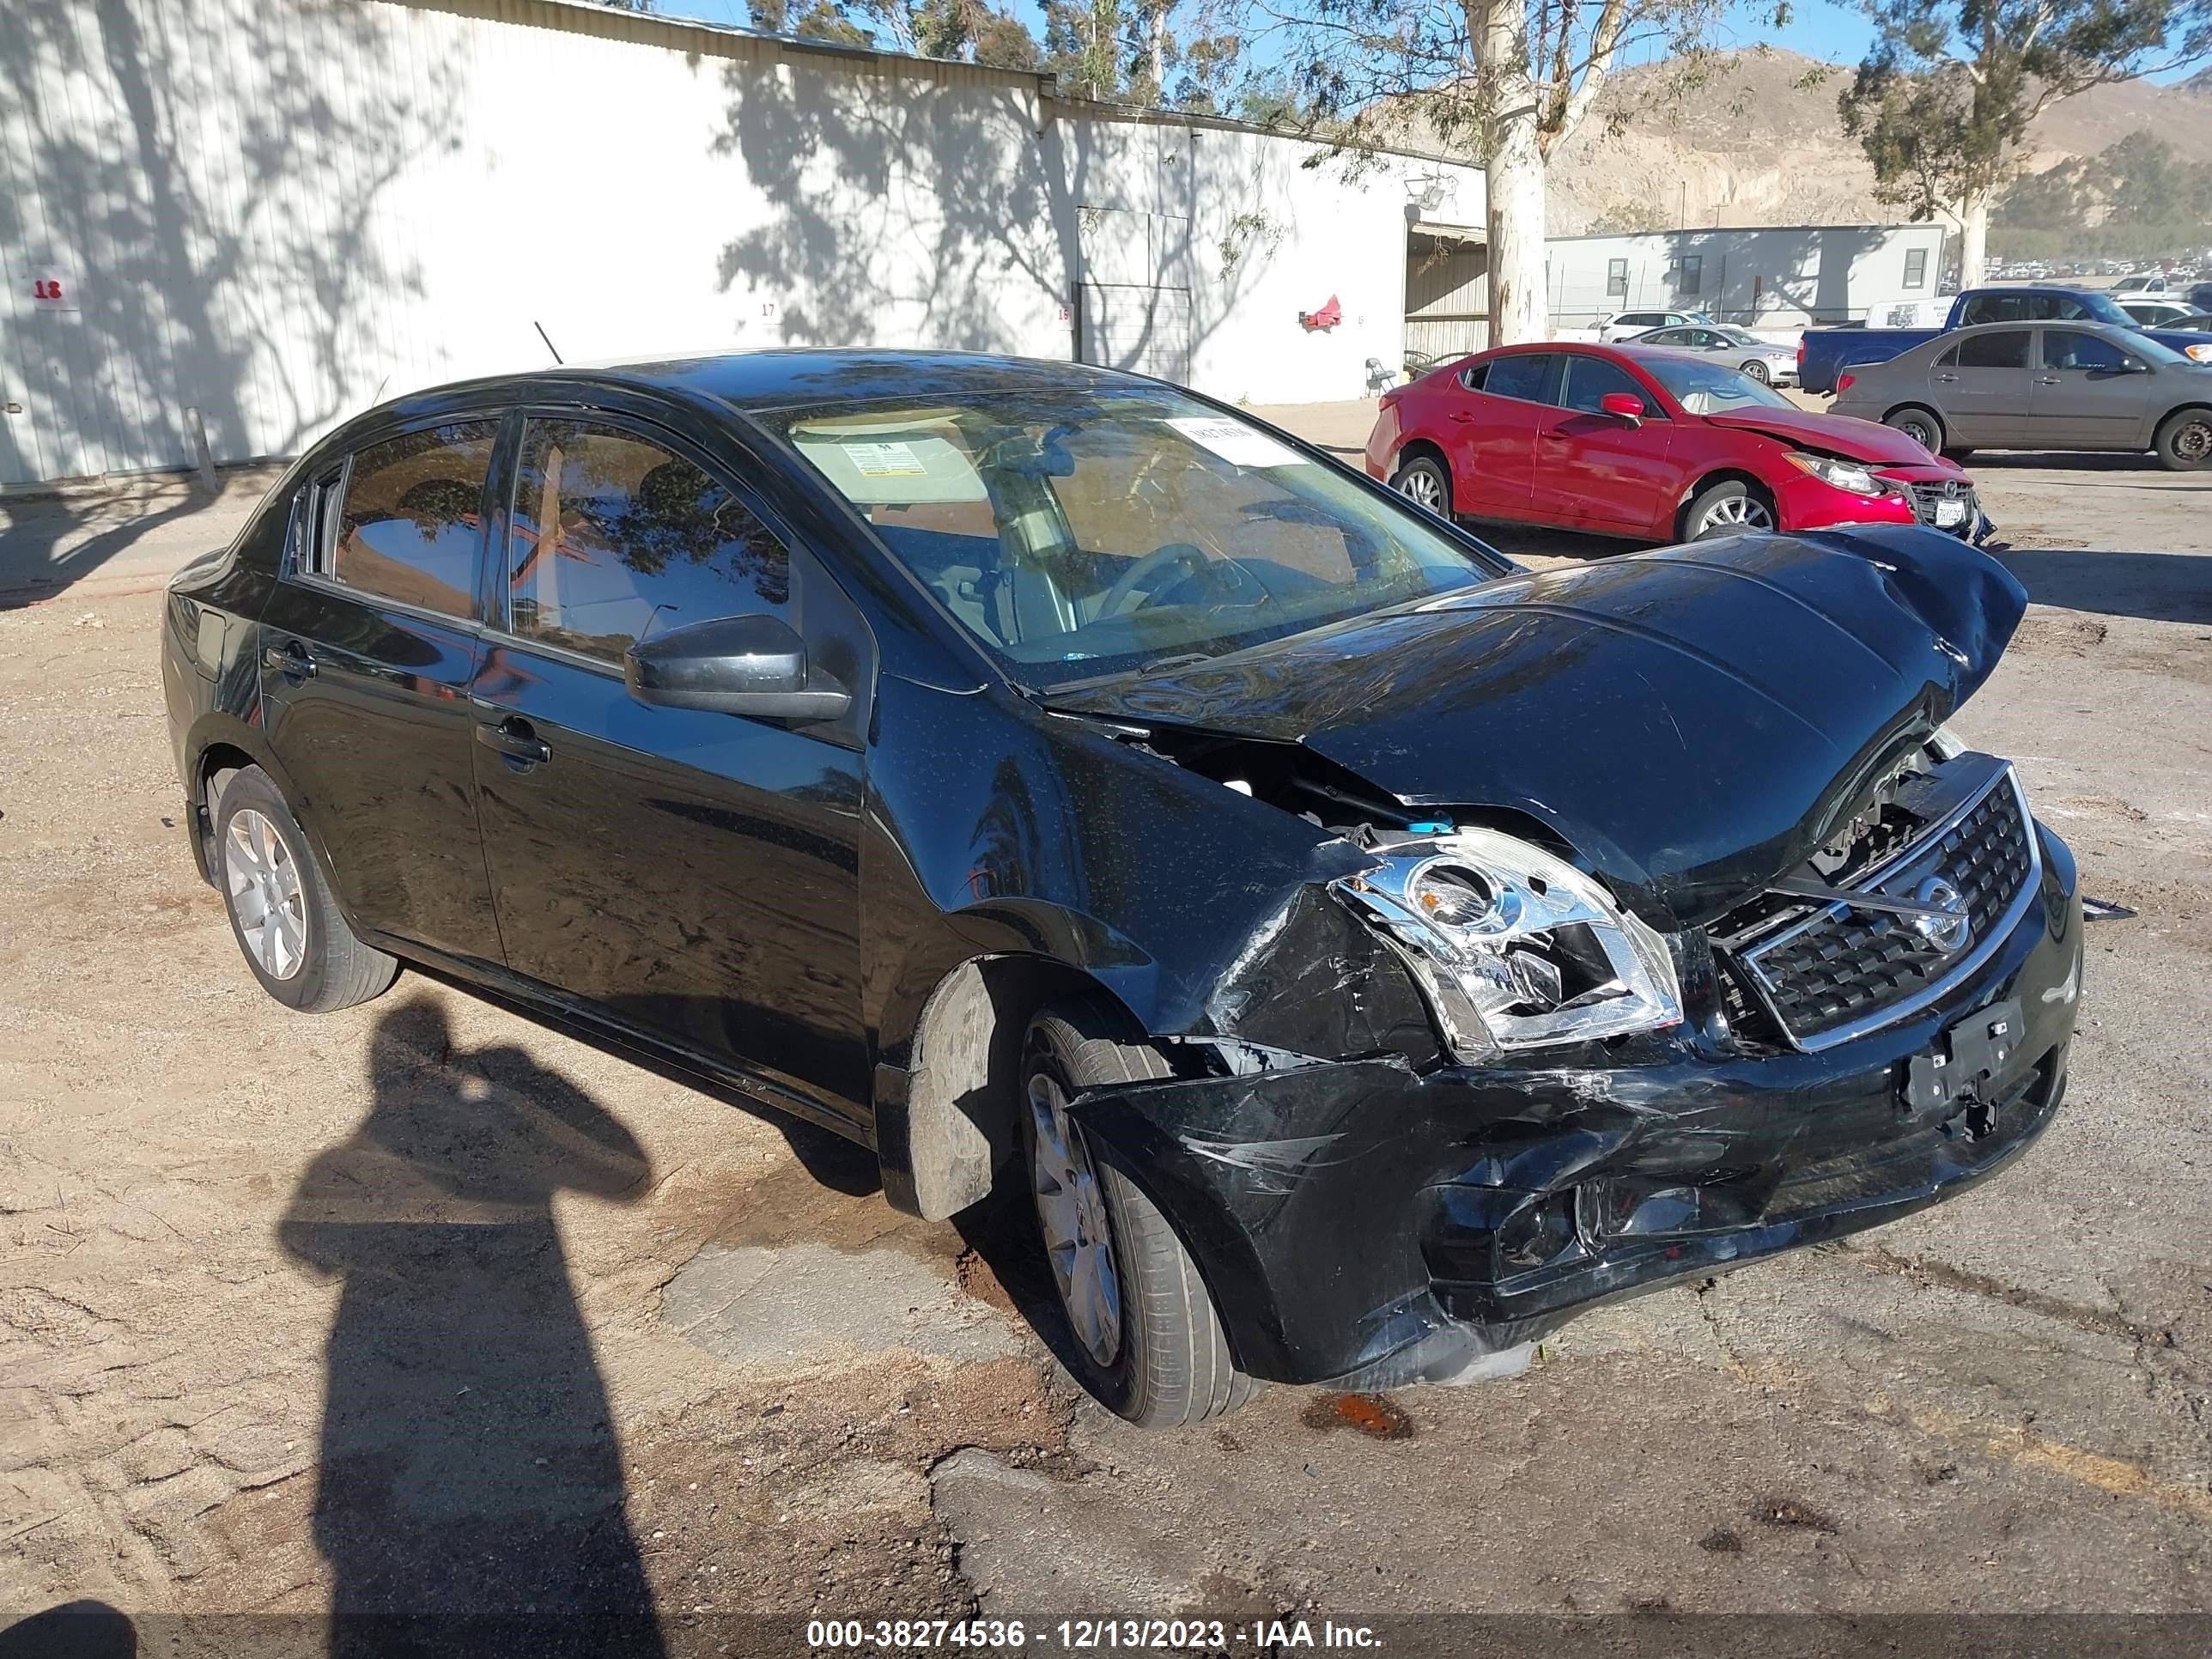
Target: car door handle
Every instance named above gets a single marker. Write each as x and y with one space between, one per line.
1947 379
1463 415
2046 379
290 658
514 738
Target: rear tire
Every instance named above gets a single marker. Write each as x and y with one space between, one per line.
2184 443
282 913
1730 507
1923 426
1423 482
1151 1350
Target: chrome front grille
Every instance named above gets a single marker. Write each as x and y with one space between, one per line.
1927 493
1843 970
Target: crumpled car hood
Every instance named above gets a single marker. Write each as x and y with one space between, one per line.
1694 721
1837 435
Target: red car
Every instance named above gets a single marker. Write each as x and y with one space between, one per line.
1637 441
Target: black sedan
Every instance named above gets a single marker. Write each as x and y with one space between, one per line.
1360 953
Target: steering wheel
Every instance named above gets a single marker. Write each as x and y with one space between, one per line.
1158 559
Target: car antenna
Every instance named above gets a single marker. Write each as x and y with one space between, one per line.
541 335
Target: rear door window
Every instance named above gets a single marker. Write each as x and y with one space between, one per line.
2006 349
1531 376
616 538
410 527
1995 308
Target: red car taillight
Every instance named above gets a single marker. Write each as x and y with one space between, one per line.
1843 383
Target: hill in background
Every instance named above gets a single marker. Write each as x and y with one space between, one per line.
1757 140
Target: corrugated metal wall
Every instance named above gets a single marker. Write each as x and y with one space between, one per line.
277 214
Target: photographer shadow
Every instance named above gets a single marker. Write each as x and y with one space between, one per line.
470 1491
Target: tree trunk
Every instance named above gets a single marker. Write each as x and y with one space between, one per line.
1974 238
1512 174
1513 181
1158 49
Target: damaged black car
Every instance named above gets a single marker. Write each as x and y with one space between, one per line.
1361 954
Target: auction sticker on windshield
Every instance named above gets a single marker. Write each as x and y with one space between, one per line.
885 460
1234 442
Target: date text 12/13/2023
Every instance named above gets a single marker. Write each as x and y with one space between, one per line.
1194 1636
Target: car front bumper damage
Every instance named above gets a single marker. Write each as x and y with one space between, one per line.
1362 1222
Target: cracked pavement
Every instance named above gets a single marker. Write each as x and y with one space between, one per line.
430 1262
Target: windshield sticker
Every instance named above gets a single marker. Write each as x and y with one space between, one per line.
1234 442
891 460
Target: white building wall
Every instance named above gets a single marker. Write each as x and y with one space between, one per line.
278 215
1786 276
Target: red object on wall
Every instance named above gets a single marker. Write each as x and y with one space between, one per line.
1327 317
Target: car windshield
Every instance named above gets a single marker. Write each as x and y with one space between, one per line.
1081 534
1710 389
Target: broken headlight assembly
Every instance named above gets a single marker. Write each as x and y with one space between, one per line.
1847 476
1513 947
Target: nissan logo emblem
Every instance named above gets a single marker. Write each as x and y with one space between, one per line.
1950 930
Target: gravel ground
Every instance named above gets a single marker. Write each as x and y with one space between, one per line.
425 1306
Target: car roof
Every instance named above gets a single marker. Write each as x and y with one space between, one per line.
781 377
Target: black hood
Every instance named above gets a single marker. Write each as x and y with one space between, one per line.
1694 721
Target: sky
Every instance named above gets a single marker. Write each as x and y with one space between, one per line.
1839 34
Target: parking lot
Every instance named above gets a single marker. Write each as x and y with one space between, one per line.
710 1321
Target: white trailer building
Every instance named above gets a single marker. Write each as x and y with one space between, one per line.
1764 277
256 219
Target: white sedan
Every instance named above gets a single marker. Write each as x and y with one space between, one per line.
1763 360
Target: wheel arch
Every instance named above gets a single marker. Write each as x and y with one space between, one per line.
945 1119
219 746
1942 425
1428 449
1707 479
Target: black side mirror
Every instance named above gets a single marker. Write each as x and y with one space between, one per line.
752 665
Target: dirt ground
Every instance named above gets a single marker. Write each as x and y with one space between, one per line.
428 1306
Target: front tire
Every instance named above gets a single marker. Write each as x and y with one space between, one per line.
1757 369
1423 482
1730 507
287 924
2184 443
1143 1336
1923 426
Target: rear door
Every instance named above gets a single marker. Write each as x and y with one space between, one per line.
1491 414
2086 395
693 875
367 646
1981 388
1595 471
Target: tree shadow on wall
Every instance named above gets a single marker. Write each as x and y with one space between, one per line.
900 211
470 1492
194 245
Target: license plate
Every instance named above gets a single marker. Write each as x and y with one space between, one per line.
1950 513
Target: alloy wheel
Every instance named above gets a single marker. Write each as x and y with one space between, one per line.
1071 1207
1735 512
1421 486
263 880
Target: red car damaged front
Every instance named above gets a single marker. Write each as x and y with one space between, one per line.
1650 445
